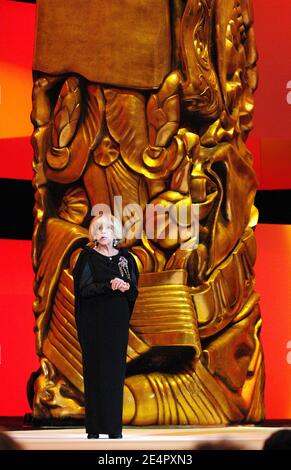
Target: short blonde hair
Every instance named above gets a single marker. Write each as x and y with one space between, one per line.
117 226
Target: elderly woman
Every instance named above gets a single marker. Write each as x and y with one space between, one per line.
105 283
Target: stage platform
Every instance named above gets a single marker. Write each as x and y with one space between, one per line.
172 438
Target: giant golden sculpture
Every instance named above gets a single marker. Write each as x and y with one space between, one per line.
153 102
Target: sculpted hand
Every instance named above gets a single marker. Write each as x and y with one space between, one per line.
119 284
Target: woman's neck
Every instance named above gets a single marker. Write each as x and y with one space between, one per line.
106 250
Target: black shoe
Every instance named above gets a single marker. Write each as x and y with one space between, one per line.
115 436
92 436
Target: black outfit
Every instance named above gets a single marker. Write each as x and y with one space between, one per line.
102 319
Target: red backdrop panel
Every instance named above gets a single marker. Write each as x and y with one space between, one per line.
273 269
17 344
16 156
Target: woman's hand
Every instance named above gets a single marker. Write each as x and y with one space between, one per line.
119 284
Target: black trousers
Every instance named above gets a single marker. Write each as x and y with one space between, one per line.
103 325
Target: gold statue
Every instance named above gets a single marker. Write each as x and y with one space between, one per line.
153 102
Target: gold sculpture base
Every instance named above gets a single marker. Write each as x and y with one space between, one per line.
219 381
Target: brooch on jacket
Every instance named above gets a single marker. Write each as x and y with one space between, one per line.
123 266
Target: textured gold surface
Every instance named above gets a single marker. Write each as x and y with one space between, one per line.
194 352
120 43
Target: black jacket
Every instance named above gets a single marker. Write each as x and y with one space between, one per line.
91 279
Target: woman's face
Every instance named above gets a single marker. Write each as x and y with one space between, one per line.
104 232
